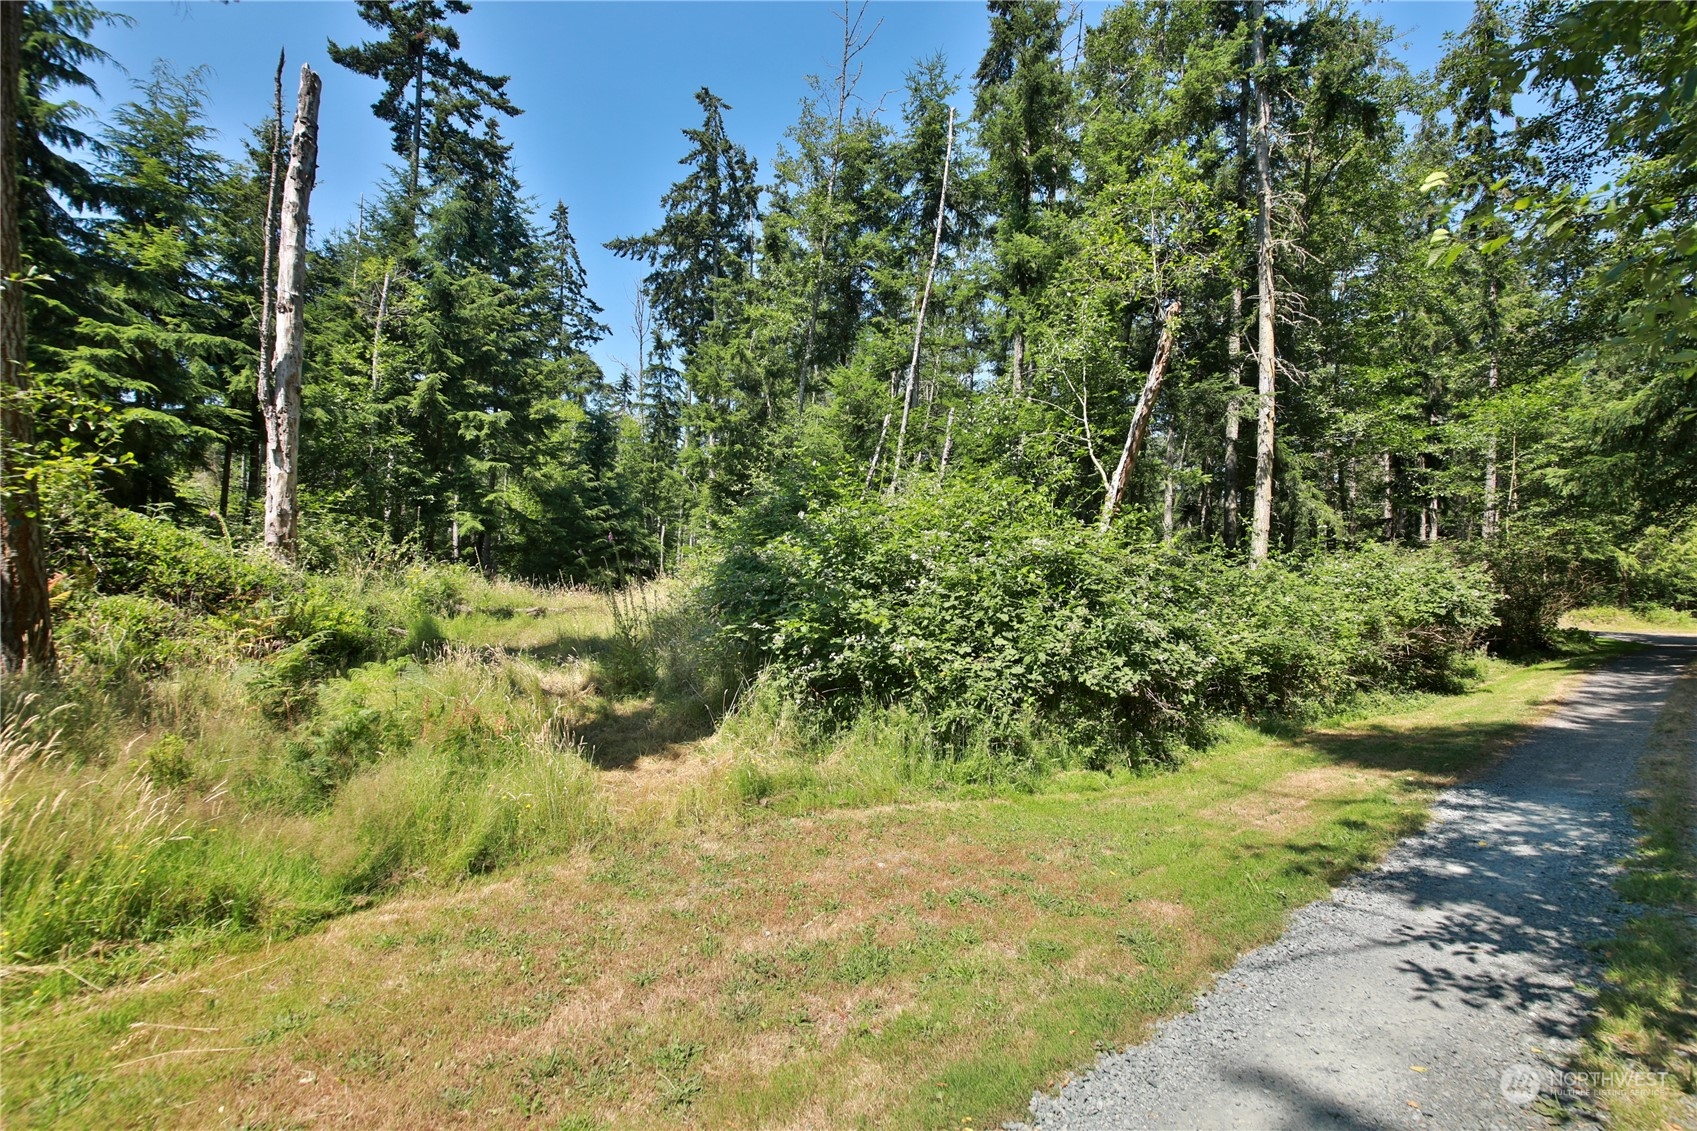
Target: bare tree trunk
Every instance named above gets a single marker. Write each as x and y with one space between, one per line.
1390 501
878 450
1140 418
948 446
280 389
924 301
1018 362
377 330
1352 521
224 480
1429 513
1262 519
267 296
1234 422
1169 493
26 621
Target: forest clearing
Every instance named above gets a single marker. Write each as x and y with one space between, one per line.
1049 522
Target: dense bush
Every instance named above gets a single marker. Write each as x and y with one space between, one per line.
135 593
981 604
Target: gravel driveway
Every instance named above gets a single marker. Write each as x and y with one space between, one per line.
1405 998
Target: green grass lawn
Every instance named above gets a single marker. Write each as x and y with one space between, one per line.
920 964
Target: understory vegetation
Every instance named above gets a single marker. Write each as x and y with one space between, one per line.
231 746
235 747
740 966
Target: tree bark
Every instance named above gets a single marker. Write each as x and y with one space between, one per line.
377 330
1234 423
267 293
26 623
1140 418
878 450
1389 498
1169 492
924 301
1262 519
948 446
1488 521
280 389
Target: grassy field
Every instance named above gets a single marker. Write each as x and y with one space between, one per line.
1605 618
706 962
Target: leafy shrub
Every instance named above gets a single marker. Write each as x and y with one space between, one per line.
119 551
167 763
125 634
985 609
1541 570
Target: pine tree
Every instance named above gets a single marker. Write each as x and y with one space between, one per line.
434 101
706 238
1025 112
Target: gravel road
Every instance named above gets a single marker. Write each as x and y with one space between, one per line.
1404 998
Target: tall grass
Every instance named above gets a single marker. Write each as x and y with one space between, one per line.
226 792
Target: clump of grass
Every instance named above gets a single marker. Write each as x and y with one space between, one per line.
1644 1037
221 814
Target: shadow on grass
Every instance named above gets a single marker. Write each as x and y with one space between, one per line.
1454 749
631 731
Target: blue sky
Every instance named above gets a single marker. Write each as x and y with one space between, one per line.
605 88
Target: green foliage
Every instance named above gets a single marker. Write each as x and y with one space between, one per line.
394 771
981 606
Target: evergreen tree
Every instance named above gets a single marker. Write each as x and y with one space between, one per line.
706 237
434 101
1025 114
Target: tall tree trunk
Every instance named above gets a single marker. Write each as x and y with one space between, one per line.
267 293
1140 418
1234 423
924 301
1352 520
280 389
1389 499
26 622
377 330
1429 512
417 135
224 481
1018 362
1429 467
1488 521
1169 491
878 450
948 446
1262 520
